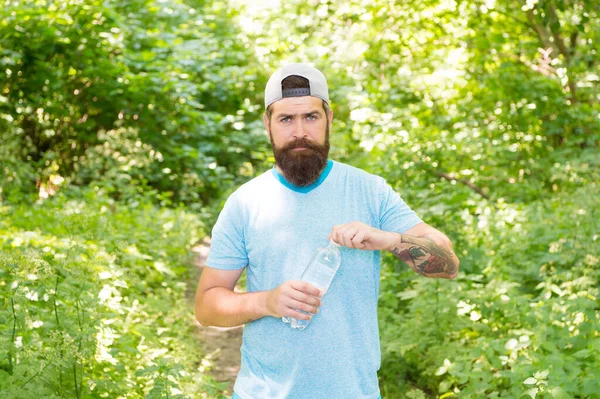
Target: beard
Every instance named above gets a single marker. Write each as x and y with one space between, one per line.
302 167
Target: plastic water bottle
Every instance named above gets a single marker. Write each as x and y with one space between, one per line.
319 272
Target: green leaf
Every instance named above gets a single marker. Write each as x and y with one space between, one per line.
559 393
532 392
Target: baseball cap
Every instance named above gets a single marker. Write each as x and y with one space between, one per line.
316 82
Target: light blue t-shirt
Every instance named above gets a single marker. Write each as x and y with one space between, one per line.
274 228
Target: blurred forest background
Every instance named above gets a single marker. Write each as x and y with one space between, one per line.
125 123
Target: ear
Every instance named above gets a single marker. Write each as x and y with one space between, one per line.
330 117
266 122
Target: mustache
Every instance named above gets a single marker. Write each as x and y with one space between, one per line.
301 143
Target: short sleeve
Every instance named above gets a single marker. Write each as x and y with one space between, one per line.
227 247
395 214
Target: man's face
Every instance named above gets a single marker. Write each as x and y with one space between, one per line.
299 133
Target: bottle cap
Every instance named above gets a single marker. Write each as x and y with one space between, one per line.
333 243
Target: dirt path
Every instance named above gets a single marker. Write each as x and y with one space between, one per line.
220 346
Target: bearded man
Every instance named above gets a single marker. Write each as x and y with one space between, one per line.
272 226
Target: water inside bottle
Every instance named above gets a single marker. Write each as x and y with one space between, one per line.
319 272
320 275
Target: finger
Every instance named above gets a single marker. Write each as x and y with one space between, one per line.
299 305
340 235
358 239
337 232
334 230
307 288
332 233
348 236
305 298
297 314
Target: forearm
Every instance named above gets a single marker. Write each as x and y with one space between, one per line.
428 256
222 307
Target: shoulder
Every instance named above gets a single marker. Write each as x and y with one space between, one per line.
252 189
358 176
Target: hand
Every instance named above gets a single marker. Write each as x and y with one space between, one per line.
362 236
292 296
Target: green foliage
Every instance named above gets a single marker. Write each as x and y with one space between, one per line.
15 175
95 300
479 93
524 321
71 71
484 115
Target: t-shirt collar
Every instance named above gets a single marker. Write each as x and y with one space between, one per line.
304 189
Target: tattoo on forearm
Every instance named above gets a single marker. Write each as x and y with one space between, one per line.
426 257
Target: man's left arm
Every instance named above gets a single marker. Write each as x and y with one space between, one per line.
425 249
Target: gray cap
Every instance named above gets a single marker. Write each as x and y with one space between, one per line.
316 82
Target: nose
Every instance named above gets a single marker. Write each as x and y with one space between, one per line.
299 131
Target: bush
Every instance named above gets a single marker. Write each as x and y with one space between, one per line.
74 73
523 321
94 300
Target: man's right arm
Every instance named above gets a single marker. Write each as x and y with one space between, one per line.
218 305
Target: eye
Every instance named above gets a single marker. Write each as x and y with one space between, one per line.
286 119
312 117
